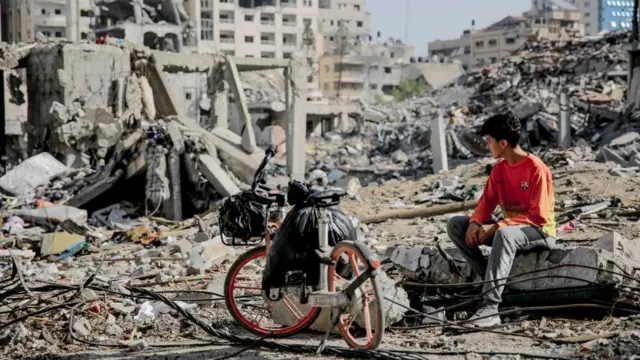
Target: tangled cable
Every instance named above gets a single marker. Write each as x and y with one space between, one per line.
16 287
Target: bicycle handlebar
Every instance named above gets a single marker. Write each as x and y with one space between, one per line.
257 187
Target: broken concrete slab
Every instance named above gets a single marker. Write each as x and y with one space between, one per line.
607 154
215 174
427 265
31 173
52 215
616 244
233 79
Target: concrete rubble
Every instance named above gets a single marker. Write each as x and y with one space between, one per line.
111 175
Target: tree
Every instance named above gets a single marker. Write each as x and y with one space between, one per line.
408 88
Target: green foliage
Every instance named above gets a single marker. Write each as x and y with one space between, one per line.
408 88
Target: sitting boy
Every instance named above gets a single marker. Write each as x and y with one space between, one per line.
521 184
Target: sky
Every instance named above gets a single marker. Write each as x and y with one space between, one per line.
437 19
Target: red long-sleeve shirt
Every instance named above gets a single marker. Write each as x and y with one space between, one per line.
524 191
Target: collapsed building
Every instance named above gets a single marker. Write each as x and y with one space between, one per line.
124 120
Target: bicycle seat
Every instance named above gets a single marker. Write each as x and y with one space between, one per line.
326 197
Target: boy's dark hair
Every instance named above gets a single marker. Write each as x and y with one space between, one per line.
503 126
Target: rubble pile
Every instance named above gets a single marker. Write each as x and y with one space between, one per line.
592 71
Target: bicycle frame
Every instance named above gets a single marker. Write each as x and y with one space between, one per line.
323 244
276 216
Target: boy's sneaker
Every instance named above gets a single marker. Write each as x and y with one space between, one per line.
486 316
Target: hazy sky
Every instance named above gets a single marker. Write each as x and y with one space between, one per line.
437 19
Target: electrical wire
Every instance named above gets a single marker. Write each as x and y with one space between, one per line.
143 293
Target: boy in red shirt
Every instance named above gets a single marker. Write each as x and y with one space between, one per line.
521 184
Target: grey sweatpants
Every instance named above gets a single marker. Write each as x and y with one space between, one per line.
507 242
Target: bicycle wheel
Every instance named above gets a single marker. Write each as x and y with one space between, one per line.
242 292
362 325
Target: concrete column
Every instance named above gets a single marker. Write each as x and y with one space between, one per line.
344 122
439 143
633 79
233 77
295 81
72 21
564 137
137 11
218 94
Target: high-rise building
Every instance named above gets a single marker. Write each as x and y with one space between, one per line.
253 28
347 19
598 15
49 17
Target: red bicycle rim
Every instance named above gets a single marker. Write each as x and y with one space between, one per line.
251 325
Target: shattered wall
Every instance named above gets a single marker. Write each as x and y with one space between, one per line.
67 73
191 87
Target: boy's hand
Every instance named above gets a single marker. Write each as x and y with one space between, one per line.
485 232
473 233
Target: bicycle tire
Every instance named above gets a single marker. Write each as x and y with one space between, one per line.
378 299
233 309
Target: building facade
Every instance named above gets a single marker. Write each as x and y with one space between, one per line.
253 28
343 18
359 76
26 18
489 45
598 15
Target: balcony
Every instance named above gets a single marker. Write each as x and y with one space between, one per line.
227 17
289 20
288 3
289 40
268 19
227 37
227 4
51 20
268 39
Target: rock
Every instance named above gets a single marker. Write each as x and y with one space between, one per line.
393 311
82 326
399 156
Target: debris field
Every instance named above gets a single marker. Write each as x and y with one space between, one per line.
110 242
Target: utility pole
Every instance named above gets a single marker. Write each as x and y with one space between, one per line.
634 60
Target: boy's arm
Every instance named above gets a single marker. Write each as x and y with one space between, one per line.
487 203
540 202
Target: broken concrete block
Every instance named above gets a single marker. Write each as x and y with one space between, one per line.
207 254
351 185
625 139
31 173
617 245
57 243
428 266
52 215
606 154
217 176
25 254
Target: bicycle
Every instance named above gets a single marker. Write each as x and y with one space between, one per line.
275 204
339 288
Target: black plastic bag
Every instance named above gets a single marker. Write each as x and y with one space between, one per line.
293 247
242 216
